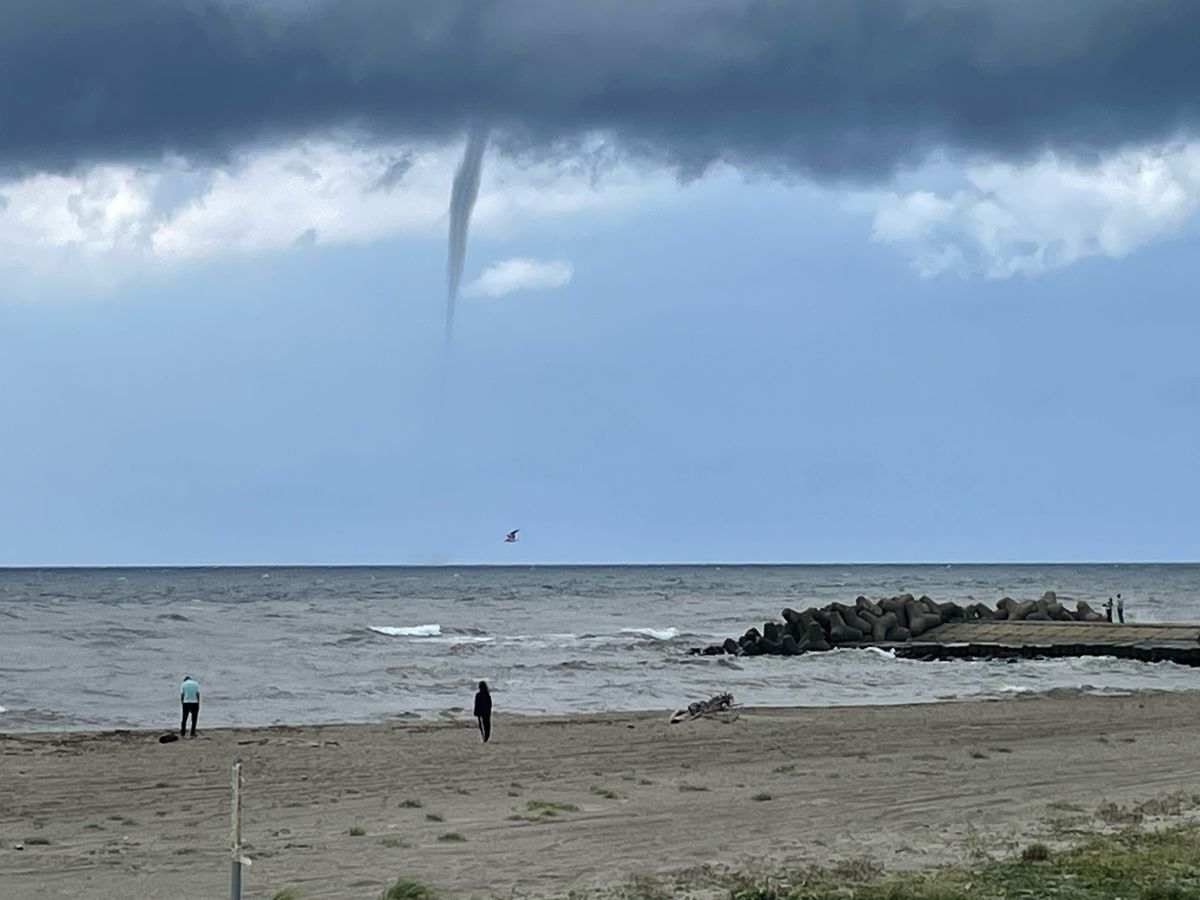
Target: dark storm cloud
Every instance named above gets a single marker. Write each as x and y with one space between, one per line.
835 88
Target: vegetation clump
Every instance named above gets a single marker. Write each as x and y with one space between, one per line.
549 807
1132 865
1036 853
410 889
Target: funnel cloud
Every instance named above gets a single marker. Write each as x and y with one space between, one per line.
462 201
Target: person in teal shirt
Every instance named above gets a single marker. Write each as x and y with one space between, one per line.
189 696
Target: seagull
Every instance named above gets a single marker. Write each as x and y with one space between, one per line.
511 537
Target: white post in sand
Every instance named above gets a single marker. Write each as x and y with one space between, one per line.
235 840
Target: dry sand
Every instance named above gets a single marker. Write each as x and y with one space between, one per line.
126 817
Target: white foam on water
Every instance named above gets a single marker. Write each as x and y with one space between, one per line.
3 710
659 634
880 651
408 630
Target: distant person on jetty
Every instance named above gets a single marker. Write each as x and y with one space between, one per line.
1120 610
483 710
1108 609
189 696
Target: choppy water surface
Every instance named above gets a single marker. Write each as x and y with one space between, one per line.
107 647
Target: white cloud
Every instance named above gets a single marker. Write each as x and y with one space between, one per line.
1008 219
106 209
323 190
124 218
997 219
520 274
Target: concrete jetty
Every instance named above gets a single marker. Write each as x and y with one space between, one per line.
1179 643
920 628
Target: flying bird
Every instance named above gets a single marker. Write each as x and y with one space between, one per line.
511 537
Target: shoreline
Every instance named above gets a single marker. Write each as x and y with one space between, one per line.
670 564
560 803
458 719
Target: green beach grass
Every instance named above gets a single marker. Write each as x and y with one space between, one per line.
1131 865
1126 865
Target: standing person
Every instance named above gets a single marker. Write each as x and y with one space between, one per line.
189 696
1120 610
483 710
1108 609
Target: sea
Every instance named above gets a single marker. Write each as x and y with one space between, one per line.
106 648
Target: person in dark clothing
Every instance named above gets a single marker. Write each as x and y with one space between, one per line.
189 698
1108 609
483 710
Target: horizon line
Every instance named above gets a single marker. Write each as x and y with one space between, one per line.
545 565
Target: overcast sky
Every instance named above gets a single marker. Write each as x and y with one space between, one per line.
745 281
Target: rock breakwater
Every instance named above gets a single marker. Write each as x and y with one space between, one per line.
889 620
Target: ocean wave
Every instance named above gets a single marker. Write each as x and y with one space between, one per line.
658 634
407 630
3 710
581 665
435 633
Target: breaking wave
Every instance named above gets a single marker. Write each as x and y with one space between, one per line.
407 630
658 634
433 633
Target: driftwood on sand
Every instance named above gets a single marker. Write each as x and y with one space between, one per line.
719 707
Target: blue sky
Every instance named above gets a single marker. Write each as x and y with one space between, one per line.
738 373
941 309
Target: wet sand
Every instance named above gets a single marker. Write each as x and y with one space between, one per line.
124 816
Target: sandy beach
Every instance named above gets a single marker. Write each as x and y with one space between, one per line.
118 815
